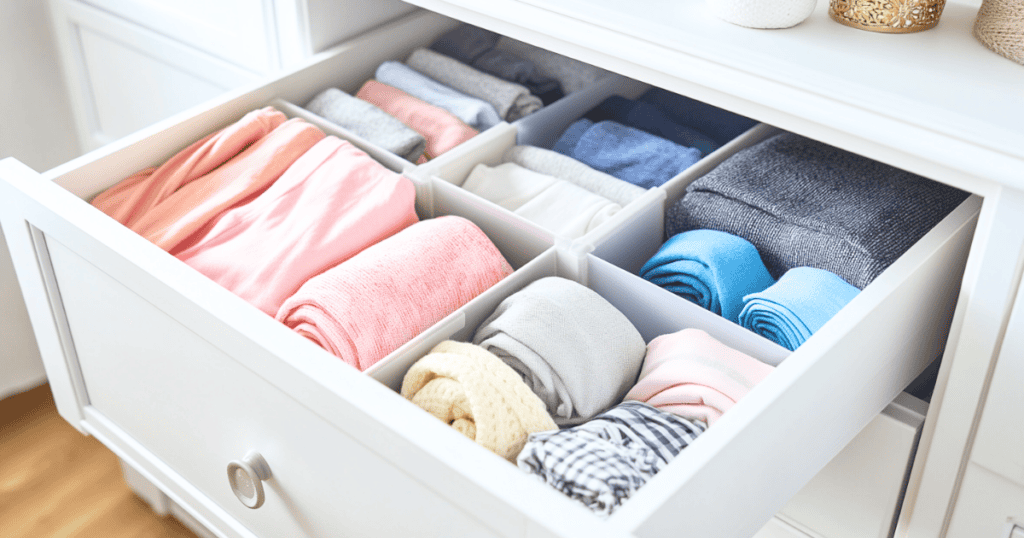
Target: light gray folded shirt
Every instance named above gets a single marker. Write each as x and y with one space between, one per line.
573 75
511 100
369 122
555 164
573 348
474 112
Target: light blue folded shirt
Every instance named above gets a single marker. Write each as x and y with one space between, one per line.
714 270
796 306
474 112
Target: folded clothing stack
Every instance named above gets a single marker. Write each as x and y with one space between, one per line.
602 462
368 122
573 348
333 202
176 204
554 204
719 124
480 396
804 203
694 376
440 128
555 164
366 307
625 152
650 119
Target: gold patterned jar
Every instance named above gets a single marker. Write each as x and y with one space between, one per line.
889 16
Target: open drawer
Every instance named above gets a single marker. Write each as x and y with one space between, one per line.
180 377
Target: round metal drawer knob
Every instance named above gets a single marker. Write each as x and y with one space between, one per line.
246 478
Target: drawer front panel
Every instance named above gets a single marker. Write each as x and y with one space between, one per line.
197 409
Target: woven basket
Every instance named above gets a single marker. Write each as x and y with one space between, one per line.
889 16
1000 26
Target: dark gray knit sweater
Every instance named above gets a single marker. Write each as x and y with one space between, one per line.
805 203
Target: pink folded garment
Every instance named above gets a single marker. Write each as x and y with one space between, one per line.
333 202
182 218
365 308
133 197
692 375
441 128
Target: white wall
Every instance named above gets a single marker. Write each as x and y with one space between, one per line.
36 127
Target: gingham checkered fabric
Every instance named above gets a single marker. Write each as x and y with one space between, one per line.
602 462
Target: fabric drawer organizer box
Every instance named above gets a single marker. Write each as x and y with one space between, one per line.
179 376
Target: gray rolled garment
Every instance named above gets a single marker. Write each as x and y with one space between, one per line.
805 203
572 347
369 122
555 164
511 100
572 75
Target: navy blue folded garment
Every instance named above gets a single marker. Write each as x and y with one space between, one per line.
475 47
465 43
626 153
805 203
712 269
650 119
508 66
796 306
720 125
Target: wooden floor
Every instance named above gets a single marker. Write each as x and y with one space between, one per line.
56 482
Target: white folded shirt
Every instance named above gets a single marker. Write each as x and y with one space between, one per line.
556 205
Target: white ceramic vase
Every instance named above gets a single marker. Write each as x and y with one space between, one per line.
762 13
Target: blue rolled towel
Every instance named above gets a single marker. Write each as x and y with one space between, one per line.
721 125
712 269
650 119
796 306
626 153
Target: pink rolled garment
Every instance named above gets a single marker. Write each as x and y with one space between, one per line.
365 308
184 217
441 128
133 197
692 375
333 202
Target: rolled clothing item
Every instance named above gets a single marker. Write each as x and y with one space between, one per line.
184 217
714 270
629 154
570 137
442 130
573 348
475 47
721 125
511 100
333 202
805 203
796 306
136 195
369 122
555 164
650 119
465 43
366 307
508 66
572 75
481 397
603 462
554 204
474 112
692 375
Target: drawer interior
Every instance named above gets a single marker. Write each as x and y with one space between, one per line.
768 446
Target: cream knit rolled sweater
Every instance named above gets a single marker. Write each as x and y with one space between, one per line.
476 393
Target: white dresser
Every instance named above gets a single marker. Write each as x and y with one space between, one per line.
180 377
